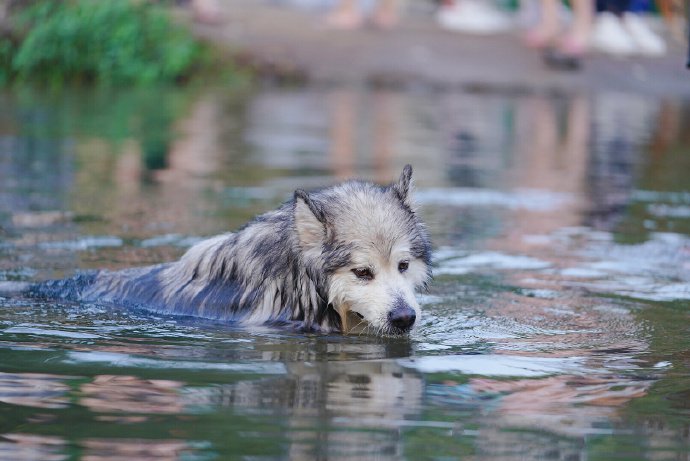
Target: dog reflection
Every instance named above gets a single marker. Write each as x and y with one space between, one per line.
378 390
342 408
327 402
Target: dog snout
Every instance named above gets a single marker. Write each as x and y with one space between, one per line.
402 317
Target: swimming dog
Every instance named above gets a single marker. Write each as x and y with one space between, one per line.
344 258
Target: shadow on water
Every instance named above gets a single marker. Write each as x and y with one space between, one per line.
556 327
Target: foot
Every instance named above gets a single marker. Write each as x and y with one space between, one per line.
344 20
540 37
574 45
207 12
385 19
567 55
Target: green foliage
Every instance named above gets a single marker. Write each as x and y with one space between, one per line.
6 48
113 42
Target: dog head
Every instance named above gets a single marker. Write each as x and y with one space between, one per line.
368 250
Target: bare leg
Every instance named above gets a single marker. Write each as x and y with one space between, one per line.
548 27
576 42
386 14
207 11
345 15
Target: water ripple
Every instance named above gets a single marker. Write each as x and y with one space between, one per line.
125 360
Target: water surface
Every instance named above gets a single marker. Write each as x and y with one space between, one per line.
556 327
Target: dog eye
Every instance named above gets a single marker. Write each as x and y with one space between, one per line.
403 266
363 273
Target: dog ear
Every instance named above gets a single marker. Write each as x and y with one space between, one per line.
310 220
403 188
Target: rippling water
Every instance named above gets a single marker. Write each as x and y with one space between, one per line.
556 327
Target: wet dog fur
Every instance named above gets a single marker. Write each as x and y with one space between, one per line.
345 258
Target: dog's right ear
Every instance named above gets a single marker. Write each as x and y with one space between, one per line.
403 187
310 220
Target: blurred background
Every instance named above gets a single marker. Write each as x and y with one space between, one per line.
551 150
181 106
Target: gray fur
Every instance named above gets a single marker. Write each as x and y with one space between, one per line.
276 269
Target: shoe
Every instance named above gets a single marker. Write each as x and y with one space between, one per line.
646 40
611 37
473 16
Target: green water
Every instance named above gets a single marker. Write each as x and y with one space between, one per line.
557 325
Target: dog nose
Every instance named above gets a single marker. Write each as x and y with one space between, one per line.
402 317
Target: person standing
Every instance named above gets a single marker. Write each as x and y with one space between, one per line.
548 32
207 11
348 14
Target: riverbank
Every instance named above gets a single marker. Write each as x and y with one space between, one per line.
282 41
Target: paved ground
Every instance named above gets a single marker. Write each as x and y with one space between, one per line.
420 53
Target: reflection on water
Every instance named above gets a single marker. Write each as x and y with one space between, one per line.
33 390
555 328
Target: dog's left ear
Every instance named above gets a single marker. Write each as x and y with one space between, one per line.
310 221
403 188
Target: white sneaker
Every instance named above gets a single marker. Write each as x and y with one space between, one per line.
473 16
609 36
646 40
